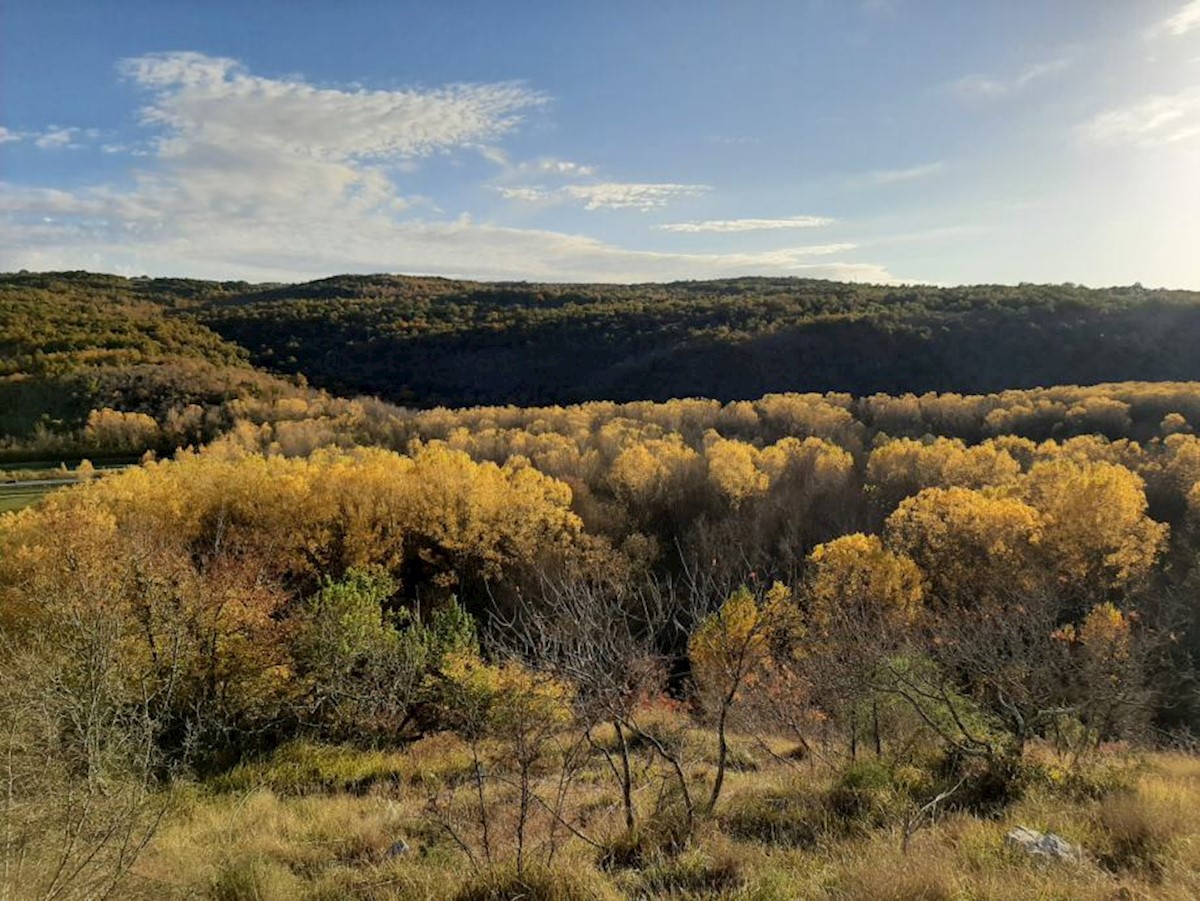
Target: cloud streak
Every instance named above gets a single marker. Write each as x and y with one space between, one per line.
746 225
606 195
892 176
984 86
1154 120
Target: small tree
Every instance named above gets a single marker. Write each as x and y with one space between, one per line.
729 651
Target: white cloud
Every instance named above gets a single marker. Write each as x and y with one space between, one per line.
275 179
746 225
213 102
1158 119
1185 19
55 138
609 195
985 86
7 135
891 176
554 166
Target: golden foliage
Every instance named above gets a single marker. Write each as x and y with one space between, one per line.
972 545
1096 533
856 574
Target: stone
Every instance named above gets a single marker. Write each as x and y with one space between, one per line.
1043 844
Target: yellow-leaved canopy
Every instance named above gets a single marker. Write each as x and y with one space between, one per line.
855 578
1096 533
731 647
973 546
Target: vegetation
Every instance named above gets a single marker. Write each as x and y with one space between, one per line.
808 645
151 344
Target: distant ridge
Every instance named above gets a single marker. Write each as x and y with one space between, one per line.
426 341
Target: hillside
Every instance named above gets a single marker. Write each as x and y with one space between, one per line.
429 341
72 343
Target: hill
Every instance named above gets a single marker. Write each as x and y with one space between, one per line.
433 341
73 340
71 343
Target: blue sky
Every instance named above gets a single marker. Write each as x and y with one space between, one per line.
871 140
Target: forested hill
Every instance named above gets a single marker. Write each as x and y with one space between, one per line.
427 341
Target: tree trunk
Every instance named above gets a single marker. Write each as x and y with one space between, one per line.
626 778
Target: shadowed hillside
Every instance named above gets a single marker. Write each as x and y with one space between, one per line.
428 341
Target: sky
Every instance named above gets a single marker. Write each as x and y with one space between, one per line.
867 140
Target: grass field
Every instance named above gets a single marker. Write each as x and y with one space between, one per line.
322 823
16 497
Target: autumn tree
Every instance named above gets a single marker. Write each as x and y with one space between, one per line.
729 651
971 545
862 601
1096 536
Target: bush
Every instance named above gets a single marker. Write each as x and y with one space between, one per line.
693 871
1138 831
538 884
302 767
866 793
791 818
1086 782
661 835
989 784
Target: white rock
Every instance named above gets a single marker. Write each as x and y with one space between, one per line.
1043 844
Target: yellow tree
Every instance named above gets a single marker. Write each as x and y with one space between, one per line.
862 601
973 546
733 471
729 651
1096 534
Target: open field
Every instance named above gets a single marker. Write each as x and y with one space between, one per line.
323 823
14 497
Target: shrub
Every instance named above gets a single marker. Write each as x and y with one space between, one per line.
865 793
663 834
693 871
300 767
989 784
791 818
538 884
1086 782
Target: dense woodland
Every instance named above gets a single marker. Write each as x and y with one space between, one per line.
634 641
429 341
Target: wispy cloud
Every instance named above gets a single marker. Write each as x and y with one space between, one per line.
260 178
1157 119
553 166
746 225
1185 19
891 176
977 86
215 102
55 138
609 195
7 135
543 166
733 140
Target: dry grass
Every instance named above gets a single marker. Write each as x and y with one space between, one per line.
780 835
